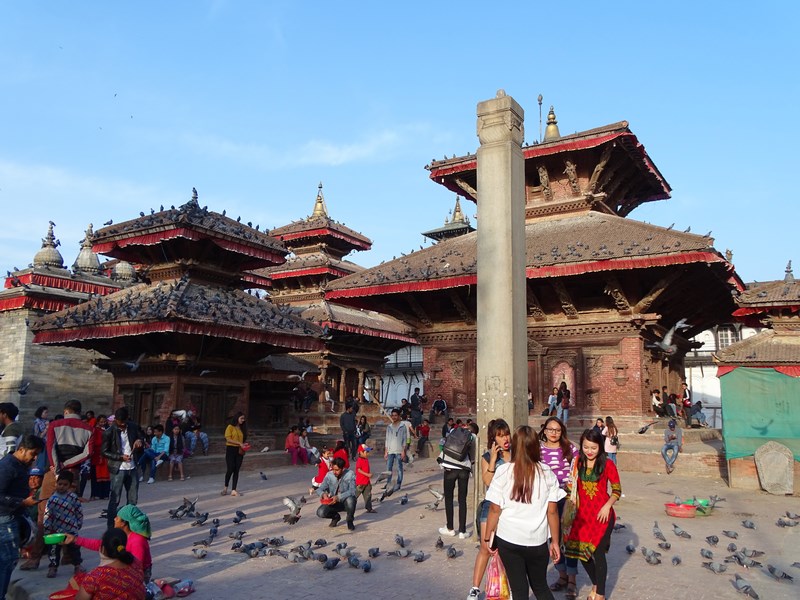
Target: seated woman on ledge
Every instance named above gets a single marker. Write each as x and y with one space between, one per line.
119 576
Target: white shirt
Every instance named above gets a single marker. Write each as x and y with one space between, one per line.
126 449
520 523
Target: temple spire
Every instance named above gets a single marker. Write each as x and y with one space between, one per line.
87 262
49 256
458 215
789 277
319 205
551 131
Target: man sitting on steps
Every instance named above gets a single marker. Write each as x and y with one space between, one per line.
673 441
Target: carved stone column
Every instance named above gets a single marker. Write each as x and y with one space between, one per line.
342 383
502 389
360 390
321 408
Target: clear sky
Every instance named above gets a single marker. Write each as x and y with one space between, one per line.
110 108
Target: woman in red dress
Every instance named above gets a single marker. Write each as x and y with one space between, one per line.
590 535
119 576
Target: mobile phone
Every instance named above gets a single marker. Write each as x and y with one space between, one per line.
492 543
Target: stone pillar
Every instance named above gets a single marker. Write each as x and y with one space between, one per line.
502 388
321 405
360 391
342 383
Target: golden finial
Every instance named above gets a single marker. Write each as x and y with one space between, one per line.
319 205
458 216
551 131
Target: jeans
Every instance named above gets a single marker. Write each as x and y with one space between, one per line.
563 414
526 566
350 444
122 479
190 440
451 477
612 456
564 564
328 511
9 550
670 460
672 411
149 455
390 464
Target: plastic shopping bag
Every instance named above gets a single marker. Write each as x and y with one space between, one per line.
496 580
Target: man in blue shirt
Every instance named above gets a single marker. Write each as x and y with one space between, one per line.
156 454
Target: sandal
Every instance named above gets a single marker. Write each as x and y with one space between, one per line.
224 492
235 493
560 583
572 592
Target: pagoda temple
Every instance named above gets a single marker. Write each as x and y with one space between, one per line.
456 225
603 290
32 375
188 336
356 340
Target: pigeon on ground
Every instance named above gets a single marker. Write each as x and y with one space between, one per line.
236 545
618 526
778 574
353 561
453 553
419 556
742 560
366 566
712 540
263 476
439 543
715 567
731 547
398 539
743 587
236 520
630 548
664 545
781 522
330 564
215 522
321 557
386 493
792 515
659 535
206 542
343 552
748 524
200 552
680 532
341 545
200 520
237 535
731 534
404 499
652 559
400 552
213 532
751 553
796 565
707 554
373 552
320 542
240 514
676 560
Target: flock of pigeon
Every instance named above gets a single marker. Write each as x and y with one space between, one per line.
741 556
310 550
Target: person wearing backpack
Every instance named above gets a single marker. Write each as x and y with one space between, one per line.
457 458
564 402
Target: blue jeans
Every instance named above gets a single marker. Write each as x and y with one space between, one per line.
389 465
149 455
612 456
670 460
9 551
563 414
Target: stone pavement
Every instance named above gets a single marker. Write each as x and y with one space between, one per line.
225 574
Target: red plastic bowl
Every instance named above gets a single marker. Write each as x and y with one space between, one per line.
683 511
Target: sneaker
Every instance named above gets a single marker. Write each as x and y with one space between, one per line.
464 535
141 478
335 520
151 480
159 462
474 594
446 531
350 525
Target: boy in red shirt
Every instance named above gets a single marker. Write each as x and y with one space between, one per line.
322 469
364 477
423 432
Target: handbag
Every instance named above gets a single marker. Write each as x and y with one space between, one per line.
571 504
244 448
496 580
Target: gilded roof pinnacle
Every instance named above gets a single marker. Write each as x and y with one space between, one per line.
458 215
319 205
551 131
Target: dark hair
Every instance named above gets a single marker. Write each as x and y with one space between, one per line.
611 426
243 426
525 454
338 461
496 427
362 418
66 476
89 414
158 427
339 445
73 406
595 437
394 411
113 546
121 414
473 427
39 412
293 428
10 410
31 442
563 442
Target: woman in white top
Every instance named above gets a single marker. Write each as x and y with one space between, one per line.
610 432
523 514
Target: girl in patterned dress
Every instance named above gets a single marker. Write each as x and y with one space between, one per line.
589 538
119 576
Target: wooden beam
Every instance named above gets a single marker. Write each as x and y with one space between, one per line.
416 307
534 306
567 305
614 289
467 188
572 174
461 307
599 168
656 291
544 178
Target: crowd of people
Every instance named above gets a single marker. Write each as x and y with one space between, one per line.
681 405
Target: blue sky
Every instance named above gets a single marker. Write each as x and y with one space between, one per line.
108 108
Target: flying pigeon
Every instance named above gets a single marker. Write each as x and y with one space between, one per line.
134 366
665 344
294 508
643 430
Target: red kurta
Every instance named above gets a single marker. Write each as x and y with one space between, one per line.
593 493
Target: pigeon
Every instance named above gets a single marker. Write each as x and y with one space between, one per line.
708 554
778 574
354 562
302 547
330 564
236 545
206 542
665 344
751 553
453 553
343 552
419 556
618 526
748 524
404 499
373 552
294 508
643 430
263 476
200 520
664 545
731 547
384 476
240 514
743 587
630 548
398 539
731 534
23 388
436 494
213 531
742 560
781 522
439 543
237 535
341 545
712 540
652 559
792 515
680 532
236 520
796 565
676 560
400 552
200 552
386 493
264 449
321 557
134 366
215 522
659 535
715 567
366 566
319 543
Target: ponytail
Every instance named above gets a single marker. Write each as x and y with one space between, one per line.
113 545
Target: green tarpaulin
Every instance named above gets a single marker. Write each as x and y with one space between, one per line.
759 405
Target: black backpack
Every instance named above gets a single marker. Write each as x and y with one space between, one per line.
456 445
